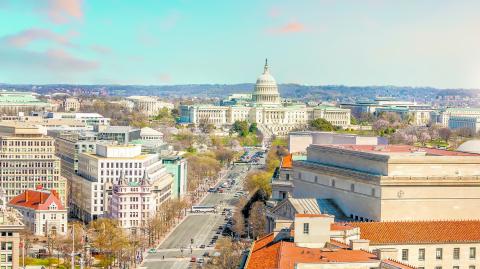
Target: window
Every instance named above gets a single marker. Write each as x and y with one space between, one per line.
438 267
456 253
472 253
373 191
438 254
316 179
306 228
404 254
287 176
456 267
352 187
333 183
471 267
299 175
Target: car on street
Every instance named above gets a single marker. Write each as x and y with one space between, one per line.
200 260
193 259
202 246
152 250
206 254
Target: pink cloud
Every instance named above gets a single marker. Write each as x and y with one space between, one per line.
63 11
274 12
62 60
291 27
26 37
100 49
165 78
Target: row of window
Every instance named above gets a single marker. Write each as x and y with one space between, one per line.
455 267
439 254
120 165
333 184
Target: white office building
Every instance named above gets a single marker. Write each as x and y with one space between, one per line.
98 172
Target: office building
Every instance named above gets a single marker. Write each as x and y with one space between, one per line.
98 172
120 134
27 160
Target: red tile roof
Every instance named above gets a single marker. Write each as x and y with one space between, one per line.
401 149
287 161
419 232
37 199
268 254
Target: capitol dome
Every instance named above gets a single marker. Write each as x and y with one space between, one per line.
266 90
471 146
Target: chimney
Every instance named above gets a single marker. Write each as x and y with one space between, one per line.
387 253
359 244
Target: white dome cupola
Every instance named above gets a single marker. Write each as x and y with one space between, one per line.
266 90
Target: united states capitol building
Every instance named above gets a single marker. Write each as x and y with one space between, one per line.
265 108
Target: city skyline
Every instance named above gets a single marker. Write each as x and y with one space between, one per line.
187 42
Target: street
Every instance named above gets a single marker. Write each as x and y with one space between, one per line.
177 249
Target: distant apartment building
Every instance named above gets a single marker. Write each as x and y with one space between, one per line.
98 172
299 141
71 104
12 102
420 116
90 119
391 182
43 212
11 226
443 117
149 105
471 123
27 160
386 103
120 134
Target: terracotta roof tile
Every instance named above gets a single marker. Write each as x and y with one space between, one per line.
419 232
267 254
37 199
287 161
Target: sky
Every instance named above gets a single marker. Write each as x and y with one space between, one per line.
314 42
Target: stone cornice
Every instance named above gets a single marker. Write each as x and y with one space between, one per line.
337 170
348 152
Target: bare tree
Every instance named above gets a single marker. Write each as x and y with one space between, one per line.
257 219
230 255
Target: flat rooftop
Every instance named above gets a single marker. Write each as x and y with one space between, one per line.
401 149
